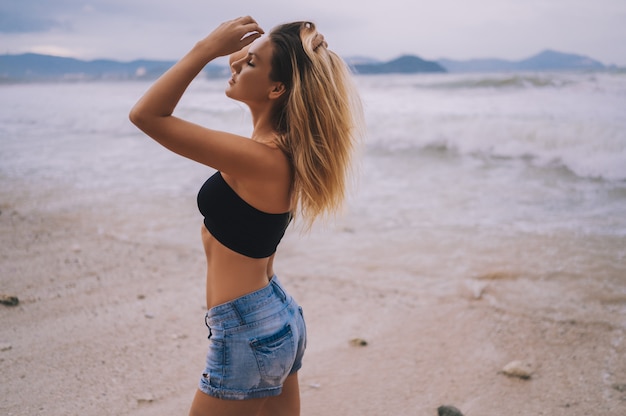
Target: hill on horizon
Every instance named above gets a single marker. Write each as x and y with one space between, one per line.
547 60
36 67
405 64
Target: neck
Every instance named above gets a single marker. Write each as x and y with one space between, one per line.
263 130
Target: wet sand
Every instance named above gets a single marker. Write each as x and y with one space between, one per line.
110 321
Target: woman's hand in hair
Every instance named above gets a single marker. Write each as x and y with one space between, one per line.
231 36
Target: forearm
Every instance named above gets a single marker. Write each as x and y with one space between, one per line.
163 96
158 103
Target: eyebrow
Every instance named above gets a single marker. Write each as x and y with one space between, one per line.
254 55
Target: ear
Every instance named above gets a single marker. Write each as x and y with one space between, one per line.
278 89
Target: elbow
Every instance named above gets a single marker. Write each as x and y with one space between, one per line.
135 116
141 119
144 120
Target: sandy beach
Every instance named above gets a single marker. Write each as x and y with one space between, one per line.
111 322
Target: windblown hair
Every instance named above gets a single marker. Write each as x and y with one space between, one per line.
319 120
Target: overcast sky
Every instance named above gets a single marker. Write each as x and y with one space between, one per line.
456 29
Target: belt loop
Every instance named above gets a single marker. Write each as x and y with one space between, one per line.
206 322
238 313
279 290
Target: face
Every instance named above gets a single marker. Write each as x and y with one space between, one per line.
250 82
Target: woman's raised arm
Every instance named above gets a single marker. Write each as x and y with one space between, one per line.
153 112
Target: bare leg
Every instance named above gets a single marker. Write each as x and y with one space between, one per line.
205 405
287 403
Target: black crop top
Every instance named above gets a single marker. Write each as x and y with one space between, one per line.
237 224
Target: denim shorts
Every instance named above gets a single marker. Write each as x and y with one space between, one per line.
255 342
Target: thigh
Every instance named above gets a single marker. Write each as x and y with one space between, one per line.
285 404
205 405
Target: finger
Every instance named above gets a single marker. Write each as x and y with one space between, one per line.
246 19
249 38
249 24
253 27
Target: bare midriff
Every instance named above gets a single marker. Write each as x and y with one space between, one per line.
231 275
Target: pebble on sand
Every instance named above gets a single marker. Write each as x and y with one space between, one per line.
358 342
621 387
518 369
9 300
448 411
145 398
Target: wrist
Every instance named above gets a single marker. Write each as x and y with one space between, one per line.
205 50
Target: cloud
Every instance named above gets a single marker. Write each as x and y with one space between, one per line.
27 16
510 29
26 24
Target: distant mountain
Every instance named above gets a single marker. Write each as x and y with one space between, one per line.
406 64
477 65
547 60
35 67
552 60
360 60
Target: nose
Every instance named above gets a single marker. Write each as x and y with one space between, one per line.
236 65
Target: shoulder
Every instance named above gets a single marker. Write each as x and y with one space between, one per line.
268 189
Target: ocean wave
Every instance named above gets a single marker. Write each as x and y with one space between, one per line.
500 81
587 151
606 165
578 124
497 81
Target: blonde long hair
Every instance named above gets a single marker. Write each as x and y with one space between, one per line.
320 119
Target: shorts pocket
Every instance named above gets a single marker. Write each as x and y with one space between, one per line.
275 354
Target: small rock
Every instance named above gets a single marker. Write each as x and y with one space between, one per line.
448 411
9 300
474 289
621 387
141 297
5 346
518 369
145 398
149 316
358 342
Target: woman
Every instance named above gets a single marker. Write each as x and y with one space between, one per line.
305 116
